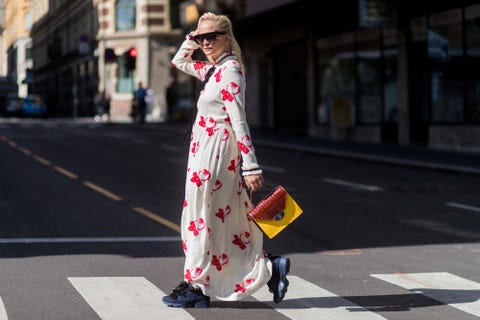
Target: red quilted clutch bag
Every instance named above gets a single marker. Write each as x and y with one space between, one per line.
270 206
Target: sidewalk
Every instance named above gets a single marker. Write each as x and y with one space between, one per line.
419 157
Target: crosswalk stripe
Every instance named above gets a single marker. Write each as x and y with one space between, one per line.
445 287
122 298
3 312
304 300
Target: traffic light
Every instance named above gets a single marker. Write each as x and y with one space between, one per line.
130 57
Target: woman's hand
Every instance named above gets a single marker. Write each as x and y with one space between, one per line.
253 181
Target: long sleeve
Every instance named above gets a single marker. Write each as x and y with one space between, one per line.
183 60
232 93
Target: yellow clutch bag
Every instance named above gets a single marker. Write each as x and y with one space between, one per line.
275 212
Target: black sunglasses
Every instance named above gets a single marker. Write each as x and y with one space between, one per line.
210 37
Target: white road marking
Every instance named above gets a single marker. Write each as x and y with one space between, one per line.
3 312
445 287
305 300
442 228
139 141
462 206
354 185
170 148
272 169
86 240
126 298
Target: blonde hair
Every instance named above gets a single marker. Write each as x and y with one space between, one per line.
225 25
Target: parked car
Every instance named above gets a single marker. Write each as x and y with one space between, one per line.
33 106
13 105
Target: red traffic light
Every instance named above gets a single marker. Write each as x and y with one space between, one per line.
133 52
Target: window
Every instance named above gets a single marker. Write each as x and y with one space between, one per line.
370 83
124 77
390 77
27 23
336 70
445 48
125 15
472 37
28 52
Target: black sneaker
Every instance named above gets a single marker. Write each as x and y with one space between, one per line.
186 296
278 283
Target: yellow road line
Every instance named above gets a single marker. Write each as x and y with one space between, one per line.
159 219
65 172
41 160
93 186
103 191
25 150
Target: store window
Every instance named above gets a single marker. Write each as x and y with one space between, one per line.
369 68
445 50
336 71
472 38
390 75
125 15
125 81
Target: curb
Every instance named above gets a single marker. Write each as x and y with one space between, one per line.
372 158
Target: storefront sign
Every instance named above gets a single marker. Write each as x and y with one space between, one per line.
377 13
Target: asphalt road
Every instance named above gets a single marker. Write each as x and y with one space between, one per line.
90 216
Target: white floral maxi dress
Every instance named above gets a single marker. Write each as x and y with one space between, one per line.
224 253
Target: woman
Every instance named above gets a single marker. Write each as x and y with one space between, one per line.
223 249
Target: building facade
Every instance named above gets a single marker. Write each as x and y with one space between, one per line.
17 62
80 48
376 71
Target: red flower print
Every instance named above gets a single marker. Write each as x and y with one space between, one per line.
241 287
230 91
199 65
234 164
219 261
246 140
195 147
243 147
196 179
209 124
245 144
240 188
185 203
174 65
184 245
217 186
200 177
226 95
226 135
202 122
223 213
192 274
241 240
196 226
207 281
218 75
205 175
245 237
